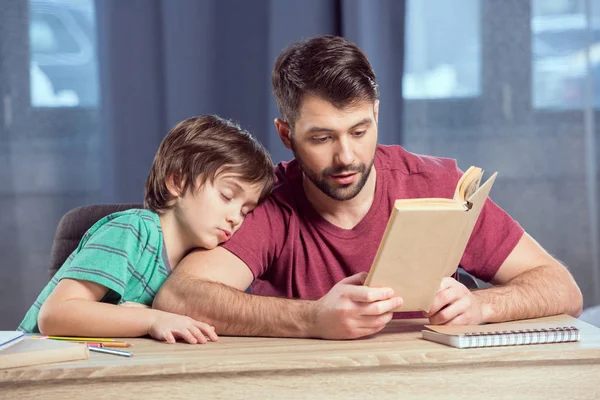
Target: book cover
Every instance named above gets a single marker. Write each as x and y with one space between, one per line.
31 351
425 239
9 338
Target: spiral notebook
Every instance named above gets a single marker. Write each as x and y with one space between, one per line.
555 329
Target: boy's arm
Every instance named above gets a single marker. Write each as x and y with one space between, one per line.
209 285
73 309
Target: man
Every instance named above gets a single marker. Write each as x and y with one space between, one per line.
306 250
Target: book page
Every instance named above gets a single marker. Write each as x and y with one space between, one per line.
468 184
428 203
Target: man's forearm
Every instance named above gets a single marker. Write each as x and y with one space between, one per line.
233 312
542 291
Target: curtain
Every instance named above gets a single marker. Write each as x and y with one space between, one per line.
163 61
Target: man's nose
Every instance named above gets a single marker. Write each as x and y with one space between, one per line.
344 152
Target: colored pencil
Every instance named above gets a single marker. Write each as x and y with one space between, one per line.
106 344
75 339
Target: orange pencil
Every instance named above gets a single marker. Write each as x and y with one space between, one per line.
102 344
117 344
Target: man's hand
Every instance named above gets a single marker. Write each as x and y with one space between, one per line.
168 327
350 310
133 304
454 304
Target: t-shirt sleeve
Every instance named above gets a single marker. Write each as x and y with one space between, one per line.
260 239
107 255
494 237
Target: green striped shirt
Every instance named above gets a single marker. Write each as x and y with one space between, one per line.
124 252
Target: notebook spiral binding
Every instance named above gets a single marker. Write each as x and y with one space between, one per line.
524 336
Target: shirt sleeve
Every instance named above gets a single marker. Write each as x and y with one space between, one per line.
260 239
109 255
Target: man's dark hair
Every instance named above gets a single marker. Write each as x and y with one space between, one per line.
329 67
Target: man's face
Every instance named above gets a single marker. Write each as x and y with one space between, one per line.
336 148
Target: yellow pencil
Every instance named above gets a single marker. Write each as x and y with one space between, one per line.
75 339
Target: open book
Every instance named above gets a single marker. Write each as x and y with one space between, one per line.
554 329
425 239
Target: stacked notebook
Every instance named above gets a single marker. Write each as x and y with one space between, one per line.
8 338
23 351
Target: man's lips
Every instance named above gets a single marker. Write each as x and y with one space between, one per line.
344 179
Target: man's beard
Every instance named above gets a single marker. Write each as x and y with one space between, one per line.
341 192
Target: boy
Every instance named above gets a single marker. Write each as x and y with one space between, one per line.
207 175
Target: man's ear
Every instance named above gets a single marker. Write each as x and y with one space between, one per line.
285 133
376 111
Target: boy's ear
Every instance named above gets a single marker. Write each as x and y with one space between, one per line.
285 134
174 185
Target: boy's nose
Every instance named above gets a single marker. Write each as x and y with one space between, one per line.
234 219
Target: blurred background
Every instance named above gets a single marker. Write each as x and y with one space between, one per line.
89 88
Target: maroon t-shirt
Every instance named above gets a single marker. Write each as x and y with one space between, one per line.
294 252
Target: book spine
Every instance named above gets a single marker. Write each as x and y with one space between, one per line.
519 337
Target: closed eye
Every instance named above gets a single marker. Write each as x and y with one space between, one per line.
226 198
358 133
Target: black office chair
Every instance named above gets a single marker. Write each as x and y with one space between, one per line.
72 227
468 280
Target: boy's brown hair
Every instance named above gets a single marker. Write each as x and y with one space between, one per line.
202 147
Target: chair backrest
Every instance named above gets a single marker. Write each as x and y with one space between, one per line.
72 227
468 280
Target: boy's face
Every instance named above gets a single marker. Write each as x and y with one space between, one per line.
335 148
212 213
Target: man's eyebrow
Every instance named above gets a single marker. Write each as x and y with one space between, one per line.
318 129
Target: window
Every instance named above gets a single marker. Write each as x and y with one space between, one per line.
50 151
63 65
560 39
443 53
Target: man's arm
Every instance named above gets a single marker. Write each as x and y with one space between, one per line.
210 284
530 283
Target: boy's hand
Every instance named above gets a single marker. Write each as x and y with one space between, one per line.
169 327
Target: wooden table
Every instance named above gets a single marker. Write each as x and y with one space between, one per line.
392 364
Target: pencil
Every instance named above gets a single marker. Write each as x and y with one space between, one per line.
116 344
111 351
75 339
105 344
